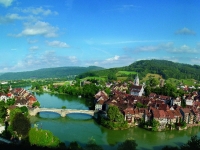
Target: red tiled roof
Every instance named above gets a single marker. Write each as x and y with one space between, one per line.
155 112
129 110
170 114
176 113
185 110
152 95
163 107
162 114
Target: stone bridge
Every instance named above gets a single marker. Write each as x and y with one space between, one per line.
62 112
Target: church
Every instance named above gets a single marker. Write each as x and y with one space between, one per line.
136 88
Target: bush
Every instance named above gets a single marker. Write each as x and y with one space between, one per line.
64 107
43 138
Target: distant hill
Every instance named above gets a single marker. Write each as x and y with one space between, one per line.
166 69
58 72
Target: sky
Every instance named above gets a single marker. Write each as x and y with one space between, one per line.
37 34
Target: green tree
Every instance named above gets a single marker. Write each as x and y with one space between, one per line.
155 125
139 105
13 112
128 144
64 107
108 91
111 77
112 112
153 82
36 104
115 119
10 101
74 146
3 111
170 148
91 145
43 138
89 90
21 124
147 90
193 143
24 110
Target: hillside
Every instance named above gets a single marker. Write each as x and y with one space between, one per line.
59 72
165 69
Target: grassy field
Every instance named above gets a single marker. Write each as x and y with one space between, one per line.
119 73
62 83
150 75
122 75
121 78
97 78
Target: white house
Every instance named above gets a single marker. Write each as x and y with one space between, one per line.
3 98
189 101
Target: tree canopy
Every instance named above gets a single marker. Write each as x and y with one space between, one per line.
128 144
43 138
21 124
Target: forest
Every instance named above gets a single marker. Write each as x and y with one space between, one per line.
166 69
59 72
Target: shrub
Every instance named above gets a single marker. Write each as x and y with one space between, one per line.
43 138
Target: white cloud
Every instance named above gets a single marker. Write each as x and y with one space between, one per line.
39 28
14 17
39 11
184 49
32 41
167 47
10 18
150 48
116 61
73 59
185 31
58 44
6 3
47 59
130 41
115 58
34 48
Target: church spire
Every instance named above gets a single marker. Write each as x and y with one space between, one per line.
136 81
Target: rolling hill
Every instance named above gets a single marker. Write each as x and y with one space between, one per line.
58 72
165 69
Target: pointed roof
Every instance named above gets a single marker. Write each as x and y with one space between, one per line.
136 81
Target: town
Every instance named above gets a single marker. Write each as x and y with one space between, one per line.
166 112
138 109
154 112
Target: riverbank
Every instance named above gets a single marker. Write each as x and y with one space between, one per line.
193 125
80 127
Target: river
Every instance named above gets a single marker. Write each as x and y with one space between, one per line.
81 127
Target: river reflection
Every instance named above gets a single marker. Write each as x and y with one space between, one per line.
48 100
81 127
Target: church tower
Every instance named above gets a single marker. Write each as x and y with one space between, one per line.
136 81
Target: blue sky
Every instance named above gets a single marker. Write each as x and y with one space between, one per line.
107 33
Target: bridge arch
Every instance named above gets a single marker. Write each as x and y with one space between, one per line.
62 112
